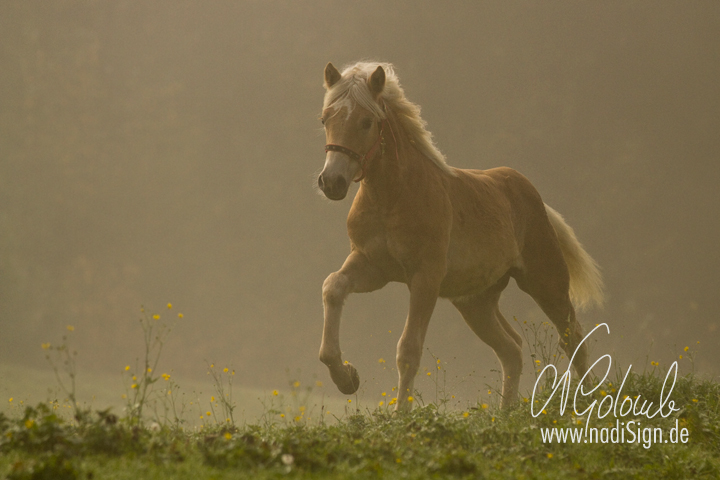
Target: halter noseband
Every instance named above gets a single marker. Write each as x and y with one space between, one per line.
361 159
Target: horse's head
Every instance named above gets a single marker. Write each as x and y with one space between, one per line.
353 129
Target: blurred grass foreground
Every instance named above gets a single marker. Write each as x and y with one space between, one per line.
162 433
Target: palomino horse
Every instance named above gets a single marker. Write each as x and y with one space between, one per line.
443 231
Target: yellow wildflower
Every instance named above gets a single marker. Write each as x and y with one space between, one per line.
45 346
275 393
134 385
156 317
228 435
29 423
71 328
169 305
466 414
225 369
127 367
180 315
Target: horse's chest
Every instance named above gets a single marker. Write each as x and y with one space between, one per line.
395 243
370 234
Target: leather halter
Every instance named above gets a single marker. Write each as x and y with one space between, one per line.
361 159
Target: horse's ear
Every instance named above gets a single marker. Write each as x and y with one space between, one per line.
332 76
377 81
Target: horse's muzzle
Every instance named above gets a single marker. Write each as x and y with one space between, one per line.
334 187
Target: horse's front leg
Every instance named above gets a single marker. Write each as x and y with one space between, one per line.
424 289
356 275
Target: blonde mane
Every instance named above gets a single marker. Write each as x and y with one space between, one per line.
354 86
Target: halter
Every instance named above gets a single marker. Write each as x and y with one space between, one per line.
361 159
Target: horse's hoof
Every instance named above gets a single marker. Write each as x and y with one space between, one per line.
348 380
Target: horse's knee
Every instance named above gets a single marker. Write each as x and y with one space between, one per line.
335 289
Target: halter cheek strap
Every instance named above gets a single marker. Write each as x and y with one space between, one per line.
361 159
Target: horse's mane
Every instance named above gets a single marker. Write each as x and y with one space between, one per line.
354 86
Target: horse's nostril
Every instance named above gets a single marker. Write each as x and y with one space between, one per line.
320 182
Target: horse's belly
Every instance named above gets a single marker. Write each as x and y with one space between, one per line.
476 271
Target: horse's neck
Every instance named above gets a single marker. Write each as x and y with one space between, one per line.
389 173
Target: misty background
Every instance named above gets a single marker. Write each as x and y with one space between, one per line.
155 152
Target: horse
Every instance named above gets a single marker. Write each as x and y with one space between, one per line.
444 232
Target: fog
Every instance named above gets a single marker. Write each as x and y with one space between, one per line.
155 152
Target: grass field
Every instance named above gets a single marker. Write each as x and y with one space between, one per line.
162 428
432 441
30 386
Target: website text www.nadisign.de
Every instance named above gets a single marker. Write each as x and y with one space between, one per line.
625 430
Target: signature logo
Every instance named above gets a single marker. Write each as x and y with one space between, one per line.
618 405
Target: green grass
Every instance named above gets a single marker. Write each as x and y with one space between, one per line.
30 386
231 432
432 441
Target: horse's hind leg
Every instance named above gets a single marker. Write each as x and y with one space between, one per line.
482 314
356 275
549 287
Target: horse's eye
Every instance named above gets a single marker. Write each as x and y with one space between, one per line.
322 120
366 124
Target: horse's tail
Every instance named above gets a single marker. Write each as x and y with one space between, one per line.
586 284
